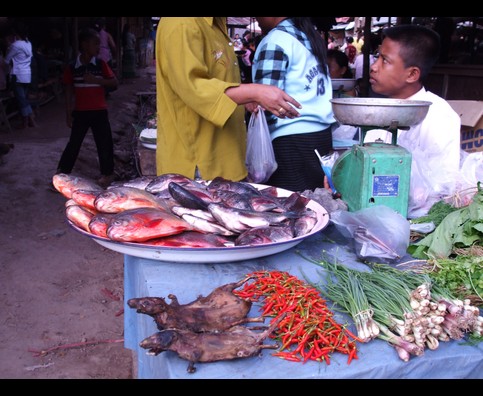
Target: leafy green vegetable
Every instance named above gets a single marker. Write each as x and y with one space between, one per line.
436 213
460 228
462 276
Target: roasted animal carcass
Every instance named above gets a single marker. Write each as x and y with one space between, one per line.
218 311
236 342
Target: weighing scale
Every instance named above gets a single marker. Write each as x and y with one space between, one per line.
376 173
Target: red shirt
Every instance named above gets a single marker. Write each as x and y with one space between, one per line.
88 96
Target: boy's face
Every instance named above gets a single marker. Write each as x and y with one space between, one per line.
92 46
388 75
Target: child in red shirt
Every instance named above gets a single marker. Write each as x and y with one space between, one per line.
85 83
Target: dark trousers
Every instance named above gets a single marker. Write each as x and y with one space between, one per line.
299 167
98 121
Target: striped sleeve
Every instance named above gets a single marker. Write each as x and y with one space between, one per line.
271 65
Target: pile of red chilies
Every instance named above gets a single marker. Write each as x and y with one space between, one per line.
308 330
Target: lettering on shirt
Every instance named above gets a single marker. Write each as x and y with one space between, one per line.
311 74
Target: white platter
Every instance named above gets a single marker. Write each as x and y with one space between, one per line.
148 145
212 255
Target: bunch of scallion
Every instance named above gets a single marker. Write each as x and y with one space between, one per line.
408 313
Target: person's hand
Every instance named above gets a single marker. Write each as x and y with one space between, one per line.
276 101
252 107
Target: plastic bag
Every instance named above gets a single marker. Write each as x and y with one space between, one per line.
260 158
379 232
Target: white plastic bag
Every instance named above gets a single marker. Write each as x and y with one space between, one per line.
260 158
378 232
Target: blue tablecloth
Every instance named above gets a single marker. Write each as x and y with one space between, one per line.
377 359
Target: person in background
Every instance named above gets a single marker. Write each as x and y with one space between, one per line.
19 57
237 42
350 50
293 57
406 56
86 107
331 44
339 68
108 46
128 52
359 41
201 128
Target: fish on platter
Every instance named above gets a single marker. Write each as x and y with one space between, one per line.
85 198
99 224
142 224
139 182
191 239
187 198
220 183
206 226
66 184
80 216
118 199
239 220
304 224
263 235
160 183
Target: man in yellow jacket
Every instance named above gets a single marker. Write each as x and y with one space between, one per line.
201 127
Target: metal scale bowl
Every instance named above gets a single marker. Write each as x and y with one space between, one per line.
376 173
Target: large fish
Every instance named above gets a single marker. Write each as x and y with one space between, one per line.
118 199
142 224
219 183
239 220
262 235
159 184
304 224
99 224
186 197
139 182
85 197
80 216
191 239
206 226
67 183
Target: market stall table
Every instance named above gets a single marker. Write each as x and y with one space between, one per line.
455 359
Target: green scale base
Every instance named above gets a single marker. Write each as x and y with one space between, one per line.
374 174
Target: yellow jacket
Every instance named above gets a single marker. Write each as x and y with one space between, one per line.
198 125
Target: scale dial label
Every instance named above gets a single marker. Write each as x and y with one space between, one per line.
385 186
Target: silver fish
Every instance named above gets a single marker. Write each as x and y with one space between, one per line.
219 183
160 183
303 225
202 214
239 220
139 182
262 235
207 226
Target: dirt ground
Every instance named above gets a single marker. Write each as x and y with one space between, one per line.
61 293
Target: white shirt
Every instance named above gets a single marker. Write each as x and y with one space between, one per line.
20 53
435 147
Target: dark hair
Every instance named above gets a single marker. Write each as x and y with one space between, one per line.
342 60
420 46
319 47
87 34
